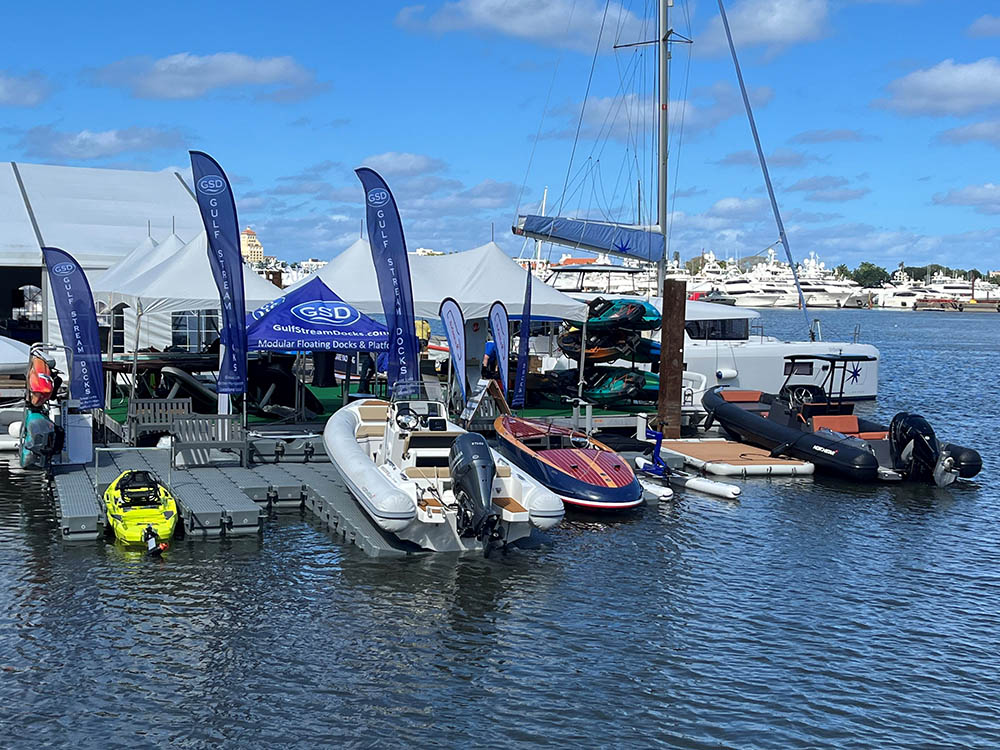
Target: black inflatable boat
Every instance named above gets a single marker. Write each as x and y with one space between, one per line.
815 423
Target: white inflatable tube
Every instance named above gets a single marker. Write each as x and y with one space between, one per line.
390 508
693 482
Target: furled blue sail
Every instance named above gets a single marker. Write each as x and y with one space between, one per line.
644 243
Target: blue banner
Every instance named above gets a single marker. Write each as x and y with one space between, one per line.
78 325
312 318
500 328
521 379
385 232
218 212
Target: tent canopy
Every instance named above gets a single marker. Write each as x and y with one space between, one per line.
13 356
313 318
474 278
184 281
147 254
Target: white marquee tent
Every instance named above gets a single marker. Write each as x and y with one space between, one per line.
474 278
184 281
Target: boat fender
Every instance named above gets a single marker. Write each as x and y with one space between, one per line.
14 429
726 373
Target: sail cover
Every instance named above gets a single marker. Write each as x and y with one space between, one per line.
644 243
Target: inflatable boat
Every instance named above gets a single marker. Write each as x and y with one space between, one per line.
584 472
814 423
427 481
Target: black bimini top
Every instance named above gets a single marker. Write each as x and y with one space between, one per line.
831 358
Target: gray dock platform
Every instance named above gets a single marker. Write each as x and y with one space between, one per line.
226 501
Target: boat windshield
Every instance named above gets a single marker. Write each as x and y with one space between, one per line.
733 329
417 390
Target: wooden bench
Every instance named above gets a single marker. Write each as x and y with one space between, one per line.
152 415
199 435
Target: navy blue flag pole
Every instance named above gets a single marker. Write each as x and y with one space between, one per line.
521 379
78 325
218 212
385 233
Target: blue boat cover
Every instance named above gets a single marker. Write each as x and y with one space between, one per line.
313 318
595 236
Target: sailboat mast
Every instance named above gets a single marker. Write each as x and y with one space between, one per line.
663 118
538 242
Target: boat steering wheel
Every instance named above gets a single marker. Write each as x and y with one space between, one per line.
407 421
800 395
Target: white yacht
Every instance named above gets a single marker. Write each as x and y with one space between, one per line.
723 343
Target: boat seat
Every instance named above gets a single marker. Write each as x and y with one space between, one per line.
373 413
846 424
503 470
370 431
427 472
740 397
873 435
430 439
509 504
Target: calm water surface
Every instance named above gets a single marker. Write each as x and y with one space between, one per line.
811 614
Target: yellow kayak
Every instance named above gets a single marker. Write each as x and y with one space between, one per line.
141 510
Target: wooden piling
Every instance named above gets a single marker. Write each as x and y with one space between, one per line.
668 404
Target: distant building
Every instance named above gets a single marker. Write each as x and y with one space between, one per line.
312 265
427 251
994 274
250 247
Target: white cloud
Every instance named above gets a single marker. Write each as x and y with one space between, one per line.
986 132
28 90
187 76
837 195
46 142
983 199
985 26
775 24
948 88
558 23
400 164
745 209
826 182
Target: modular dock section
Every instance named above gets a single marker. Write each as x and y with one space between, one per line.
225 501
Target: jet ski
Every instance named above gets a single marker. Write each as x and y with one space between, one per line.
140 510
601 347
39 438
602 385
621 313
814 423
584 472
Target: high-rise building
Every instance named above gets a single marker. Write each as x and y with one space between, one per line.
250 247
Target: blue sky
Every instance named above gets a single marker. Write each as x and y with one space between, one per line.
882 118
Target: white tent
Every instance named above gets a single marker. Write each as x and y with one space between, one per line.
13 356
147 254
474 278
184 281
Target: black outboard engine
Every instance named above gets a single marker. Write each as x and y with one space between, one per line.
472 473
916 452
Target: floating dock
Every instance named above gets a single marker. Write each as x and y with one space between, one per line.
226 501
728 458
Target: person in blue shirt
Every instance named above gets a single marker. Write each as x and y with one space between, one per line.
490 368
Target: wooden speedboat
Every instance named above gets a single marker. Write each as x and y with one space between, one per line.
814 423
584 472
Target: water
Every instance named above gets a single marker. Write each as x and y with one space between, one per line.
811 614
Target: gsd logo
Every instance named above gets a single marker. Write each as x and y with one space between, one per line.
378 197
327 314
211 184
63 269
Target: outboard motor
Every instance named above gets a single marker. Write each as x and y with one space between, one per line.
916 452
472 473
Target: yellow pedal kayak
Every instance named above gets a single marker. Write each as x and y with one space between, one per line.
141 511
